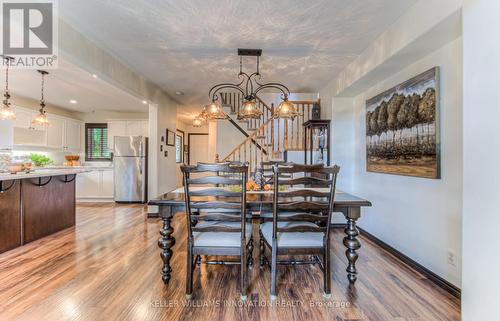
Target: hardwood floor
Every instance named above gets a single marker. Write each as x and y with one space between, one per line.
108 268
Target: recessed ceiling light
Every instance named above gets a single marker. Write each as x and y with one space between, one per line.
94 76
179 93
144 102
73 101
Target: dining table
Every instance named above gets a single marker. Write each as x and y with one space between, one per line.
258 202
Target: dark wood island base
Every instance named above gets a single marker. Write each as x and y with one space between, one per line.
31 208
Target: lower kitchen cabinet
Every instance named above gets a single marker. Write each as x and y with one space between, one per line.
48 208
97 184
107 184
32 208
10 215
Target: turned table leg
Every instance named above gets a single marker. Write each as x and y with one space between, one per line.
352 243
165 243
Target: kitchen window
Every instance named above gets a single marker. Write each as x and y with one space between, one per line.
96 142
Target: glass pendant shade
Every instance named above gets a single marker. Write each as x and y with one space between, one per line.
286 110
197 122
41 119
6 112
215 111
249 110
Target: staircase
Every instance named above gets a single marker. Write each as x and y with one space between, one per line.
269 138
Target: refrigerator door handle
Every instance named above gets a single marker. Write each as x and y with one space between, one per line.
141 160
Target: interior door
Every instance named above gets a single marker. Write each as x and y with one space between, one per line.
198 149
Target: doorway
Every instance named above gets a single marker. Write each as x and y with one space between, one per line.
198 148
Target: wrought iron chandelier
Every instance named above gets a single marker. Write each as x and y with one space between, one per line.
6 111
249 86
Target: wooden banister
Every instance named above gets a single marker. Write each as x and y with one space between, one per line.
266 142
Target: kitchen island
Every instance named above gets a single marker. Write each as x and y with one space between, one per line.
36 204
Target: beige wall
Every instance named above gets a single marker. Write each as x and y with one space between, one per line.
481 208
422 218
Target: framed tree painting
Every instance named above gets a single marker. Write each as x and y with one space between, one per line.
402 128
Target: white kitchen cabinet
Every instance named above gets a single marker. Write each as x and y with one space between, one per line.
134 128
30 137
55 132
107 183
116 128
126 128
87 185
62 133
23 118
145 128
95 185
6 134
72 130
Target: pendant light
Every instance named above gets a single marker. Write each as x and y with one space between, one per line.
6 112
203 116
286 109
41 119
249 109
215 111
197 122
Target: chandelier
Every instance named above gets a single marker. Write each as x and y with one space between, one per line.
41 119
249 86
6 112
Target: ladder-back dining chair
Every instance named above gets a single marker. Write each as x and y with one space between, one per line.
301 217
216 217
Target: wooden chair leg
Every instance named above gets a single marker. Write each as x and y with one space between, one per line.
250 252
326 272
189 273
274 266
262 250
243 276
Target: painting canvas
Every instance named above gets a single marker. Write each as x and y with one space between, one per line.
402 128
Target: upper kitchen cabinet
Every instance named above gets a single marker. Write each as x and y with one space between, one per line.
116 128
126 128
6 134
134 128
55 132
62 133
23 118
72 140
24 133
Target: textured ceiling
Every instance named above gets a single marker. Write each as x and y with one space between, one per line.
190 45
69 82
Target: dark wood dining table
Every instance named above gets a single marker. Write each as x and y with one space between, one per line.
174 202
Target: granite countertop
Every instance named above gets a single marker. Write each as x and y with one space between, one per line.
43 173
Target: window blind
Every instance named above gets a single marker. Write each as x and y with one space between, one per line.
96 142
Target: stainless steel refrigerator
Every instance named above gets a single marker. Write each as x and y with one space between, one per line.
130 160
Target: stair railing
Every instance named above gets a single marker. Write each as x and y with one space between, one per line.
272 137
